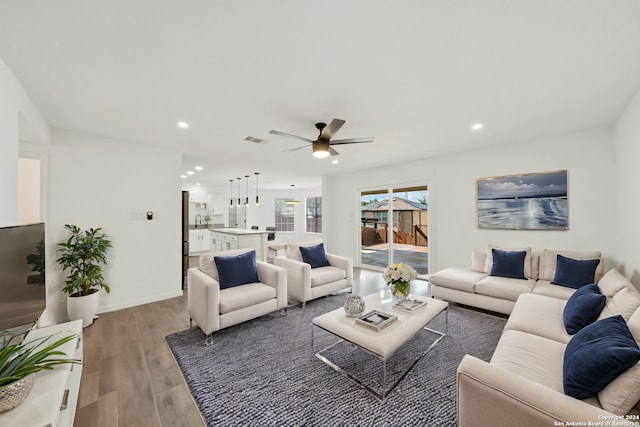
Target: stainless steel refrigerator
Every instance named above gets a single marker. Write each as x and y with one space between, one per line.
185 237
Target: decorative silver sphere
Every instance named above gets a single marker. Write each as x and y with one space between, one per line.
354 306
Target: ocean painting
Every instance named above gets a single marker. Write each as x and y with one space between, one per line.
534 201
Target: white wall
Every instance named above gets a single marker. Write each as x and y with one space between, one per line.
14 103
588 156
8 163
98 182
627 208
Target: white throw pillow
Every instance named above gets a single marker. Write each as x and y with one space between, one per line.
621 394
612 282
535 262
634 325
527 259
478 260
624 302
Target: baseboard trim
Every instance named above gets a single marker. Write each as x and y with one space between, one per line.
142 301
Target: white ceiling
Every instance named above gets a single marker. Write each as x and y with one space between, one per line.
416 74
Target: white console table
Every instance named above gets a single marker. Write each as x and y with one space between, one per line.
52 401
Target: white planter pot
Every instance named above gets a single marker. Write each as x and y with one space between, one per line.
84 308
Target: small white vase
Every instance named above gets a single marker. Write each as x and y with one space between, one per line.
83 307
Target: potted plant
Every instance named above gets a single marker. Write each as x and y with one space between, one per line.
19 361
83 255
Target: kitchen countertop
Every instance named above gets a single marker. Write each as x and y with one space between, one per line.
239 231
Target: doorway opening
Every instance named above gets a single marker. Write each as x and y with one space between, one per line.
394 228
30 189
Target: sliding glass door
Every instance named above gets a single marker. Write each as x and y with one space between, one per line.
394 227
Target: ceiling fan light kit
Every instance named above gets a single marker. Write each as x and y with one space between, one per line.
321 147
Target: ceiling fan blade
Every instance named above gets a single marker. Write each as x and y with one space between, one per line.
295 149
333 127
288 135
346 143
333 152
350 140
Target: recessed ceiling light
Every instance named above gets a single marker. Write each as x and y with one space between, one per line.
197 183
183 176
183 125
477 126
198 168
334 161
190 172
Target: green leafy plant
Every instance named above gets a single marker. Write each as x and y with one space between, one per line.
83 255
20 360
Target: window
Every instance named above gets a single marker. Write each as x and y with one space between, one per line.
284 215
381 216
314 215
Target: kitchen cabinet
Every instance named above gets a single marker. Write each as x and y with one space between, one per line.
216 242
224 239
199 241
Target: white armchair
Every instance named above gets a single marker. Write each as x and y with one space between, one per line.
305 283
214 308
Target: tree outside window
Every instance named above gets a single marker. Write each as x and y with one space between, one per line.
284 215
314 215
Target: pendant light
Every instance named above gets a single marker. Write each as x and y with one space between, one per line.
294 201
246 199
231 193
257 199
239 201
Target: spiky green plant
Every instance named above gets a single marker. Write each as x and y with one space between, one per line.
83 254
20 360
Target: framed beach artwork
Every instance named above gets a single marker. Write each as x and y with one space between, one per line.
532 201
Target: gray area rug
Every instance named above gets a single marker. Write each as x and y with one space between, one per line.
263 372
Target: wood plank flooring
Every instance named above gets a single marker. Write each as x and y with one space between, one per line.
130 377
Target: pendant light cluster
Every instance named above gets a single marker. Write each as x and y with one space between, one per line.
239 199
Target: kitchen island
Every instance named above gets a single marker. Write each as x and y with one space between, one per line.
223 239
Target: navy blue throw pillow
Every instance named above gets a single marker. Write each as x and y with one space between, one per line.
597 355
315 256
583 308
574 273
508 263
237 269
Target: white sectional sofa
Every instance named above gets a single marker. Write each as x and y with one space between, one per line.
523 384
474 286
